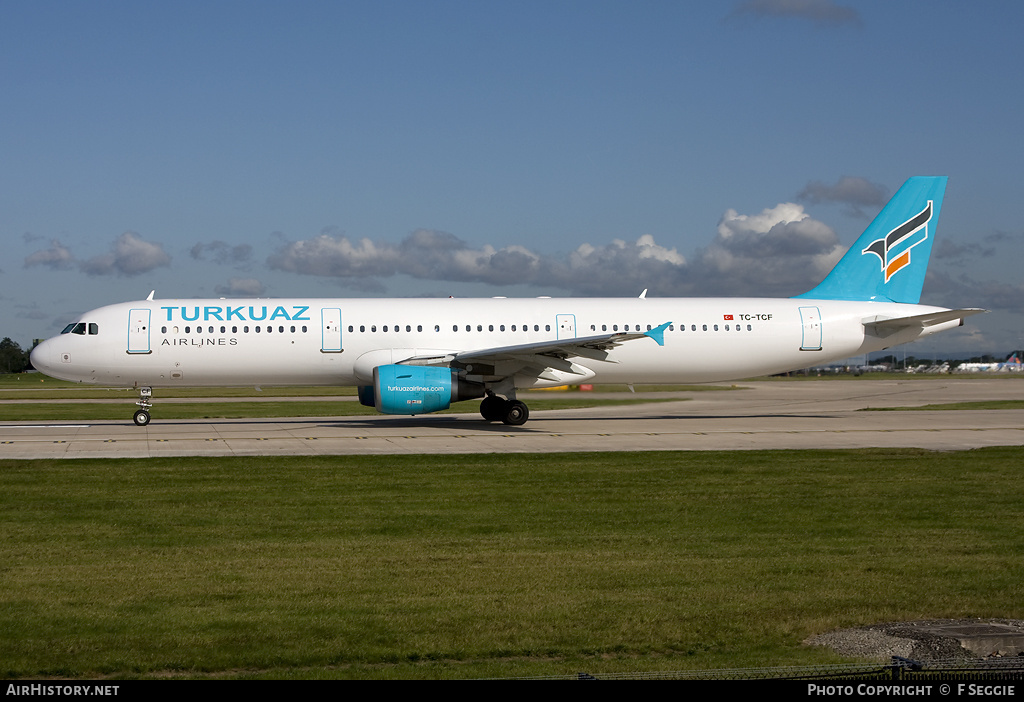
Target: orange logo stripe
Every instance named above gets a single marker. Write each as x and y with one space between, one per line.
901 261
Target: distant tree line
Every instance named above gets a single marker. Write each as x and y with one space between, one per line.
12 358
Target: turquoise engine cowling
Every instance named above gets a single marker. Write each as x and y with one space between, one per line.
401 389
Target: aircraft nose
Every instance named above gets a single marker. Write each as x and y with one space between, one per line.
43 357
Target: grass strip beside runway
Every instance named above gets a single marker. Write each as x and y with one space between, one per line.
491 565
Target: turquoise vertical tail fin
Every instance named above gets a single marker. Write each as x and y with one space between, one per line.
889 260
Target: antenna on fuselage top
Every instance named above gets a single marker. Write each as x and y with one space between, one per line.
151 294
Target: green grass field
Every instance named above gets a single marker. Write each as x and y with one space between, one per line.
491 566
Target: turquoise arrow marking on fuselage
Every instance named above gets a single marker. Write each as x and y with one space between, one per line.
658 333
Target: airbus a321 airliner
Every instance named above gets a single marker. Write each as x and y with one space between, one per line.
414 356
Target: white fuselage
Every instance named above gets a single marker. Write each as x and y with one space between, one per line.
168 343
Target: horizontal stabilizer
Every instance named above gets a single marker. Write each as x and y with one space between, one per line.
885 327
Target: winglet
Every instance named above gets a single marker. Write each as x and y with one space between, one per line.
658 333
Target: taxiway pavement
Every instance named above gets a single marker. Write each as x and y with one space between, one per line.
760 415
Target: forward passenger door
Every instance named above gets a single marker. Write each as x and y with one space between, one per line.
330 327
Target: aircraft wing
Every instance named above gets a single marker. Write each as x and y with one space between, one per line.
885 327
539 356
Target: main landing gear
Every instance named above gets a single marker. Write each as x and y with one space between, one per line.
142 416
511 412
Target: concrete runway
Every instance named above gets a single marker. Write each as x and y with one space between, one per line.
762 415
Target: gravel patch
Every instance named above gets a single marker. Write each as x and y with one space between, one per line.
915 640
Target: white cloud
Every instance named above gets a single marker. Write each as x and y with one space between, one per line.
222 252
331 256
781 250
56 256
425 254
858 194
241 287
131 256
783 230
959 290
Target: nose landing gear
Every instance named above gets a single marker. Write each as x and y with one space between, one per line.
142 416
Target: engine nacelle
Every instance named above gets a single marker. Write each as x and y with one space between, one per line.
401 389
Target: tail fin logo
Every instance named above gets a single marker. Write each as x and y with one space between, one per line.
894 249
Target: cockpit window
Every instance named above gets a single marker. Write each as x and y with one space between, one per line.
82 328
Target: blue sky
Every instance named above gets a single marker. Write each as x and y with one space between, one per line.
436 148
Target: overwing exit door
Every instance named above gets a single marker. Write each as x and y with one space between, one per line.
566 326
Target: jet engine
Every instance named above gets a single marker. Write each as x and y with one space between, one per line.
401 389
